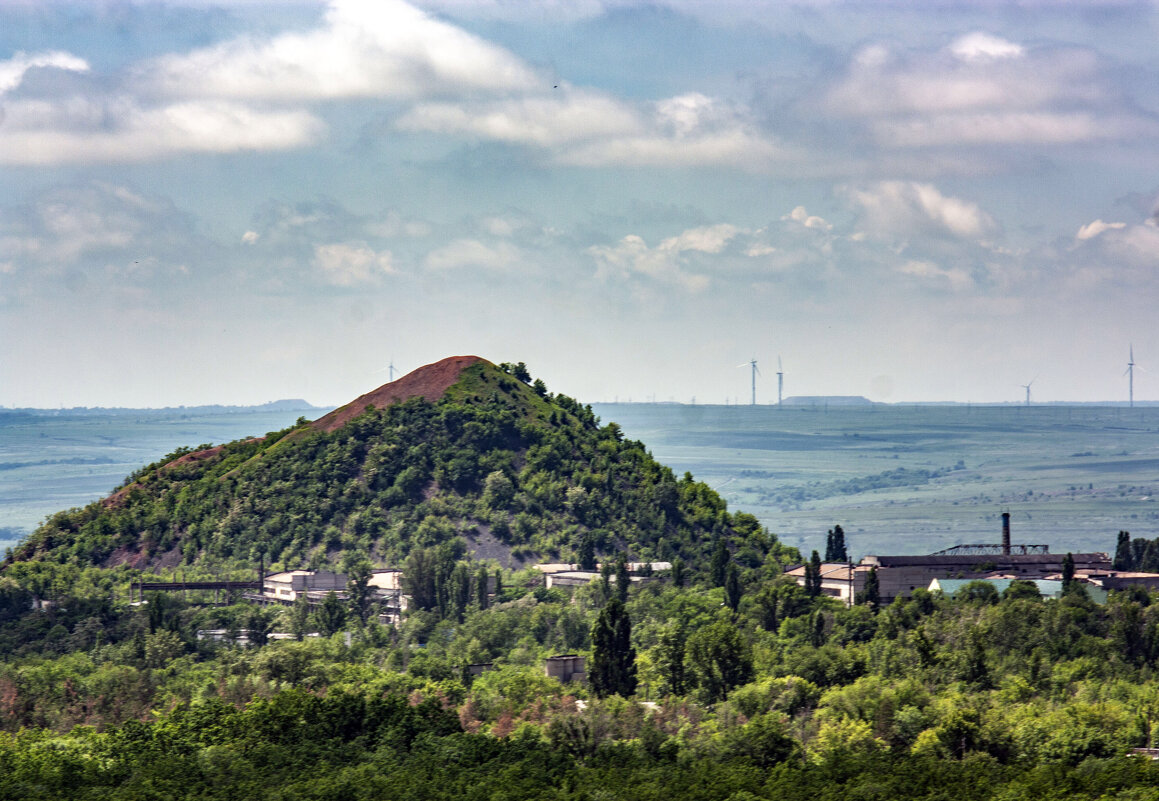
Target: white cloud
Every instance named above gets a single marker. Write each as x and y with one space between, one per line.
585 128
801 216
665 262
909 208
545 121
471 253
954 278
352 264
77 130
984 90
12 70
1093 229
983 46
385 48
250 237
706 239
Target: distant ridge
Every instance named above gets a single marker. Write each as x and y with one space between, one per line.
430 382
827 400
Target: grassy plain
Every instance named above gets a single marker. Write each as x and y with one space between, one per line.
915 479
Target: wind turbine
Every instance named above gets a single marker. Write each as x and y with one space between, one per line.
780 380
756 372
1131 377
390 368
1027 388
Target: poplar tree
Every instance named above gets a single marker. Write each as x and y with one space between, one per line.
613 668
1123 556
732 588
813 576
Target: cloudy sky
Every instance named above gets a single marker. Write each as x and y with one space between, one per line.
236 202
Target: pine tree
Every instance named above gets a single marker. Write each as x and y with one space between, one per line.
613 669
678 572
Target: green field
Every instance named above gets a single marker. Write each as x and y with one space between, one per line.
915 479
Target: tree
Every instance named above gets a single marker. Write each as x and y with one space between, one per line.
300 617
358 593
1123 556
719 564
623 580
586 553
872 592
670 659
678 572
813 576
418 578
835 550
613 669
720 660
732 588
481 582
330 615
1067 571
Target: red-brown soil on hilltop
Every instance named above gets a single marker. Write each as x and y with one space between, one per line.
430 382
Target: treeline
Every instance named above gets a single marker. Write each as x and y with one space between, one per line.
498 456
761 689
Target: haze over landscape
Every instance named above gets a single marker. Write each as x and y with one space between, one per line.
236 202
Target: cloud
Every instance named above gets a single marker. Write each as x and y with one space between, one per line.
981 46
250 237
352 264
586 128
79 130
12 70
801 216
954 278
471 253
984 90
362 49
666 262
1093 229
544 121
909 208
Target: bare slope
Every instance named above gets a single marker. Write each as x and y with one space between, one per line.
430 382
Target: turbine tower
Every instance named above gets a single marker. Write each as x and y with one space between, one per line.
753 363
780 380
390 367
1131 377
1027 388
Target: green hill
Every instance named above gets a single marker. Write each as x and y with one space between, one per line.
461 451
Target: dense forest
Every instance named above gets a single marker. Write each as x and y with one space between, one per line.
719 679
750 689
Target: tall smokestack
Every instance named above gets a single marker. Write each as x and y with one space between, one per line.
1005 533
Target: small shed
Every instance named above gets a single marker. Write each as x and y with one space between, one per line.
566 668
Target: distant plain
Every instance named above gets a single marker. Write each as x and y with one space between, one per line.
899 479
916 479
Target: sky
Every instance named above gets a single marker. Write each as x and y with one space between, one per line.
243 201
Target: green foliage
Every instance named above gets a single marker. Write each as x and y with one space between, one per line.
613 665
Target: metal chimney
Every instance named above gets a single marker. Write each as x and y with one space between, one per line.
1005 533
